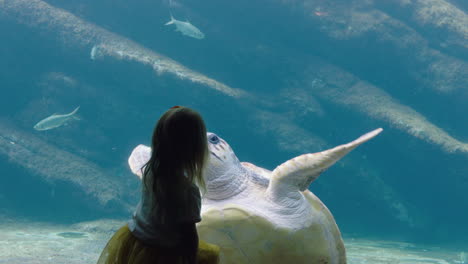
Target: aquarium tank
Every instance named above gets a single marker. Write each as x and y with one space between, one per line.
84 82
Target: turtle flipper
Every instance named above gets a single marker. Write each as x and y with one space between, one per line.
298 173
140 155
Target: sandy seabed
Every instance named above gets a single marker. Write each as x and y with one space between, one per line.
41 243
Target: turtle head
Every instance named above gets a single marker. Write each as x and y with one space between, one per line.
224 173
222 157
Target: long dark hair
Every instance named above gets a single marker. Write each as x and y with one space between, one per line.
179 155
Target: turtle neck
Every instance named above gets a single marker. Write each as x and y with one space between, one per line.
226 184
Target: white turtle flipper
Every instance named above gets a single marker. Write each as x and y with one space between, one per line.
140 155
298 173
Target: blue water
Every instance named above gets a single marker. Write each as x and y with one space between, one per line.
403 185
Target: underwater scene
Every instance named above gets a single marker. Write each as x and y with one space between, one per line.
84 82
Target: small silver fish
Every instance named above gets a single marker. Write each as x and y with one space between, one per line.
186 28
55 120
93 52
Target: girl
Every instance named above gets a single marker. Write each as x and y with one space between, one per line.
163 229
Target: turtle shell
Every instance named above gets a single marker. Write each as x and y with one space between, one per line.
245 236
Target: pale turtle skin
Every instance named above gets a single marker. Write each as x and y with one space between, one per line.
259 216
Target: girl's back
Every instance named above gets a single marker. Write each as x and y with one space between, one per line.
163 227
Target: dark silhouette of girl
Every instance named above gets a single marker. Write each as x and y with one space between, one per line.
163 228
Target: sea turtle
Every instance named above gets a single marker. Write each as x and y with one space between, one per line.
260 216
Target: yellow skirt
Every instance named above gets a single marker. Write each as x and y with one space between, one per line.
124 248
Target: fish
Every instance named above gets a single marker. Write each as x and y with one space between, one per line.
319 13
93 52
55 120
186 28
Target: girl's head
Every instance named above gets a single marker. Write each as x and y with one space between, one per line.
179 151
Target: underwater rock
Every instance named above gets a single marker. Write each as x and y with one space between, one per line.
360 21
333 84
300 102
73 31
439 19
287 135
53 164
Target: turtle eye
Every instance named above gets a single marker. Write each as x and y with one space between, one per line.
214 139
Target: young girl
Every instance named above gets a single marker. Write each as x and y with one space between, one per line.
163 229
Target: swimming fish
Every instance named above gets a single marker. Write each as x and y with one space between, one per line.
55 121
93 52
186 28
